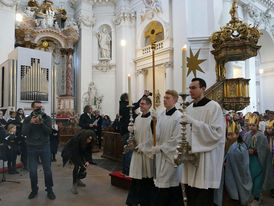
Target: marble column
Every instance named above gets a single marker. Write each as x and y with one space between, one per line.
169 75
250 73
7 25
69 72
85 19
125 30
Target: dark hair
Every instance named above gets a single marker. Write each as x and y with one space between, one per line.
83 135
148 100
17 113
202 82
124 97
86 109
12 112
35 102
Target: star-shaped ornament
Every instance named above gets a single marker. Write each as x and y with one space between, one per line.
193 63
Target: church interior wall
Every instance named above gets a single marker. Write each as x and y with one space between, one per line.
7 16
105 85
184 22
265 72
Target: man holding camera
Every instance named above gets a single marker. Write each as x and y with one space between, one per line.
37 129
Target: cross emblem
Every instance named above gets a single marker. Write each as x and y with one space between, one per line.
153 31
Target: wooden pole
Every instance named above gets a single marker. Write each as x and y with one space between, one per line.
154 93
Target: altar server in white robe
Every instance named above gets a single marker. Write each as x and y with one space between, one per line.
141 165
206 136
168 132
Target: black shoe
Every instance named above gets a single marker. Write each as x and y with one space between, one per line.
32 195
16 172
51 195
93 163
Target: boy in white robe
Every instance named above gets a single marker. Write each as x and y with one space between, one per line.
141 165
168 132
207 139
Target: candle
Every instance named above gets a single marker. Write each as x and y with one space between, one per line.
129 90
184 49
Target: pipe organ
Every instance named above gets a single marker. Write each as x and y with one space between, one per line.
27 77
34 81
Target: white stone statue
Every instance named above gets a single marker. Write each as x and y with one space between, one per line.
50 18
43 23
56 26
29 12
104 40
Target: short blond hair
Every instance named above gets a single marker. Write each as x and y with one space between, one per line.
172 93
10 126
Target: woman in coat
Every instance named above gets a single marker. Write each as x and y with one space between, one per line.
78 151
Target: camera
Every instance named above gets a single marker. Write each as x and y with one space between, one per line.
38 113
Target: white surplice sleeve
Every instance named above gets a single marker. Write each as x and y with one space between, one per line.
206 136
169 147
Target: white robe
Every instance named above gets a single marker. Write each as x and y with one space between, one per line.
168 130
141 165
207 137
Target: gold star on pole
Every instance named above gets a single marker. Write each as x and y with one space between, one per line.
193 63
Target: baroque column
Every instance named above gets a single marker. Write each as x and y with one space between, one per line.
125 30
84 17
68 53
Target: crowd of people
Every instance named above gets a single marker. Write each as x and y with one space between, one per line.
235 153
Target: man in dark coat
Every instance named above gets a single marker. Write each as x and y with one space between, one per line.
87 118
124 121
86 121
37 128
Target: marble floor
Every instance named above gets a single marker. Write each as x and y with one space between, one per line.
98 192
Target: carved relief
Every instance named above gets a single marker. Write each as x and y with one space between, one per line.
86 20
91 97
152 7
104 66
123 16
262 19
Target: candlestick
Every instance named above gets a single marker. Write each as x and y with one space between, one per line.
129 90
184 49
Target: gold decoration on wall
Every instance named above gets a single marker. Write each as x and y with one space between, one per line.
44 45
193 63
46 6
